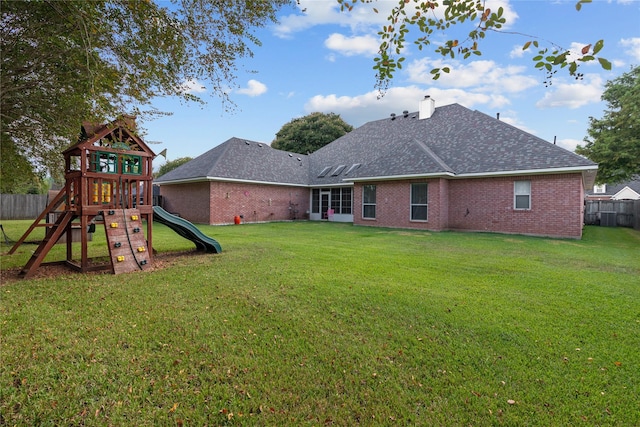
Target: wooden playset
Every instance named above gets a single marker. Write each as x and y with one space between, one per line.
108 181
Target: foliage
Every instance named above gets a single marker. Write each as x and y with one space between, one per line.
614 140
355 326
428 17
309 133
171 165
64 62
16 174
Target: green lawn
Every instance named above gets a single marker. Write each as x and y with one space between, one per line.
312 323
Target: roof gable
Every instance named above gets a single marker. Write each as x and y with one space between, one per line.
120 134
243 160
626 194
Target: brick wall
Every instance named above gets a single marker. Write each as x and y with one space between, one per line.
487 205
190 201
393 200
219 202
483 204
255 202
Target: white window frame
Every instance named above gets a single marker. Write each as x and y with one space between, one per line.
519 191
413 204
369 204
600 189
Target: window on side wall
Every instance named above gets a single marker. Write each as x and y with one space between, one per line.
522 195
419 201
315 200
369 201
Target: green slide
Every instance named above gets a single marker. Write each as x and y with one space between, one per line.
186 230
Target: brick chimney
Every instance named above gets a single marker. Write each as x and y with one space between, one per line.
427 107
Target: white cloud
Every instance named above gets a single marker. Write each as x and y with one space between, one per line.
192 86
573 95
569 144
349 46
517 51
618 63
511 117
633 46
254 88
575 51
313 12
359 109
482 76
364 17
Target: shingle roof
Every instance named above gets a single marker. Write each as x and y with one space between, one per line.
241 159
454 141
611 190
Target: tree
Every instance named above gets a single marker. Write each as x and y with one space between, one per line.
171 165
16 174
614 140
64 62
311 132
427 17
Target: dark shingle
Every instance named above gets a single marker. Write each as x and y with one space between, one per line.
454 141
240 159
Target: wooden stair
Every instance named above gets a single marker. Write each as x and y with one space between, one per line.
60 198
53 234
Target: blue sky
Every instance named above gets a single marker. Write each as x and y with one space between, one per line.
321 59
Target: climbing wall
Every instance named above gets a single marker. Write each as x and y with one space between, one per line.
125 237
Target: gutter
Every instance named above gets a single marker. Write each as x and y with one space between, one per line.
218 179
451 175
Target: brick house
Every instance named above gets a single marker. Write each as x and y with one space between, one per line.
445 168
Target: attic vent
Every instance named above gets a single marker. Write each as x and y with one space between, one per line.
324 172
393 116
299 159
247 142
352 168
259 145
338 170
405 113
290 155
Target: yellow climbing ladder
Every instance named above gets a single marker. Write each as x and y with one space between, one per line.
125 238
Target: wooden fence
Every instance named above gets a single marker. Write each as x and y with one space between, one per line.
22 206
612 213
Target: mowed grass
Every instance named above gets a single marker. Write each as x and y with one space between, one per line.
312 323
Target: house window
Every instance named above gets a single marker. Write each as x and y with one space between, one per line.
315 200
341 200
522 195
369 201
599 189
419 201
346 200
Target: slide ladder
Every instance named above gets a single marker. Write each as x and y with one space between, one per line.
51 238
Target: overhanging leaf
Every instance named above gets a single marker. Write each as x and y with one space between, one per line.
604 63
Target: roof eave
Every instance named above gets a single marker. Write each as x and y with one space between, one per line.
401 177
222 179
588 174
